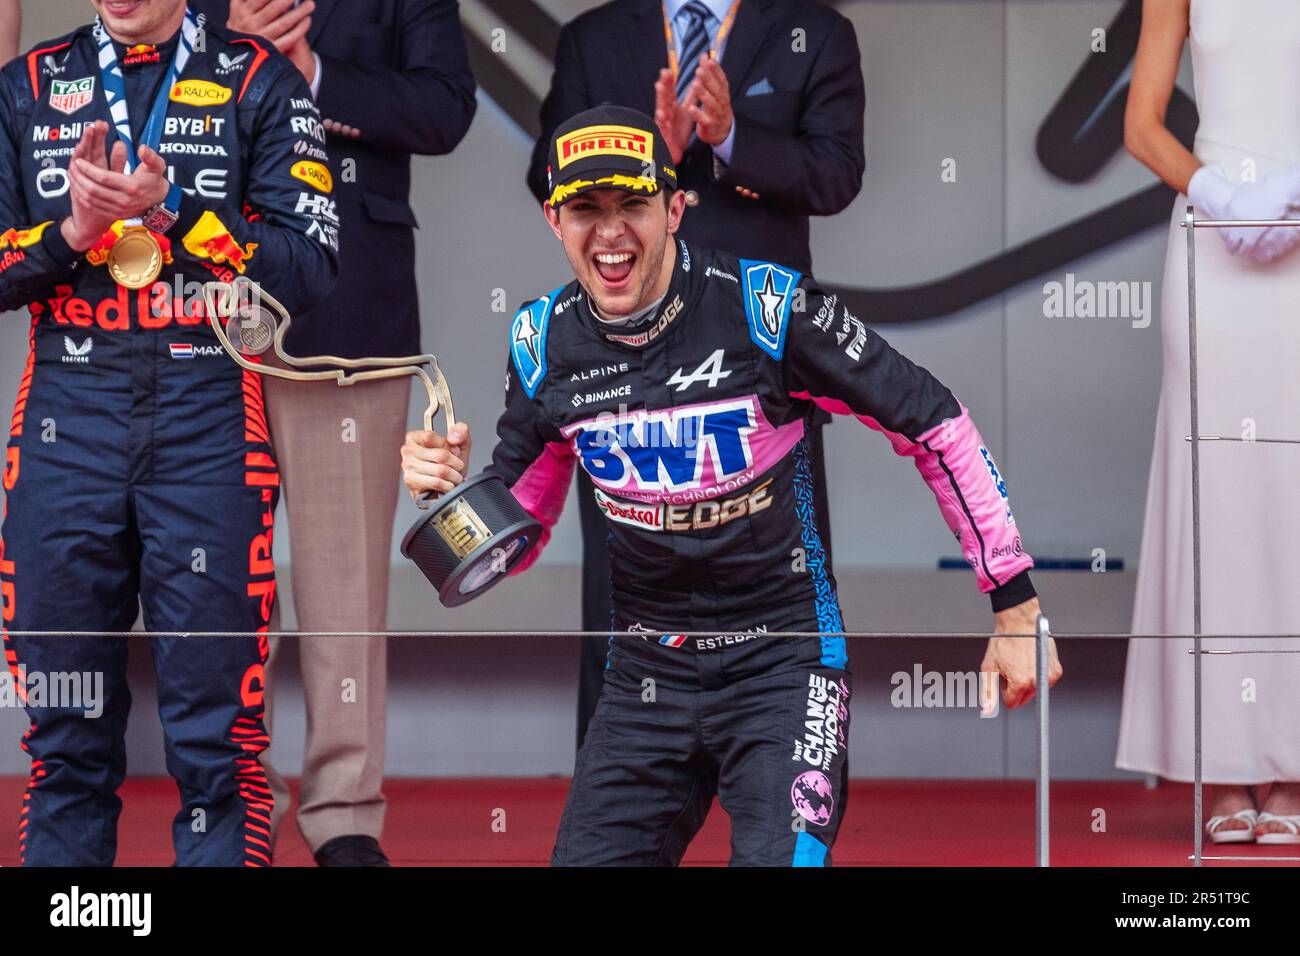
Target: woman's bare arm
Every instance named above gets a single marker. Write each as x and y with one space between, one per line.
1160 47
11 21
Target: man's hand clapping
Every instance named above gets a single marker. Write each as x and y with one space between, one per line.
281 22
671 117
103 192
705 111
709 102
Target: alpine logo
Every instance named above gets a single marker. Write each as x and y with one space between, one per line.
667 449
710 372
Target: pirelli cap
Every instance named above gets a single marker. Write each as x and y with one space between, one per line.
608 147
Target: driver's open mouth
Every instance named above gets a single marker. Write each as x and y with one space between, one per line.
614 268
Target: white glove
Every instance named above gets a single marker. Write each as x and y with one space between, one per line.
1276 196
1210 192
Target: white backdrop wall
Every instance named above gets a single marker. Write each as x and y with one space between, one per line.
1068 405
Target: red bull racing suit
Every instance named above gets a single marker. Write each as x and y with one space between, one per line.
692 428
139 473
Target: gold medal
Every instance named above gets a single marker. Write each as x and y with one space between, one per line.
136 259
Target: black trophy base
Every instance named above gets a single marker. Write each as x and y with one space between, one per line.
471 539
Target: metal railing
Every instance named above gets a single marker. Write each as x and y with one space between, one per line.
1190 224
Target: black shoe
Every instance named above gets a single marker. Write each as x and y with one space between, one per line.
351 851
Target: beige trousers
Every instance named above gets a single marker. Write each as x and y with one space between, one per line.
339 455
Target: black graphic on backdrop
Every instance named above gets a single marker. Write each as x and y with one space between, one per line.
1081 133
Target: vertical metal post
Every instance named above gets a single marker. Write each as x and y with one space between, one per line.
1198 786
1042 801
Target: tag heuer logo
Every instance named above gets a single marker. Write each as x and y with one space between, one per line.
68 96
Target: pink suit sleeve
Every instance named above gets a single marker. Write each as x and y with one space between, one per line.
956 464
541 490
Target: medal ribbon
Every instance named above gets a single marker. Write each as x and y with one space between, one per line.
110 72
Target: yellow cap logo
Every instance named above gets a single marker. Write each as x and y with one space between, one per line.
200 93
605 141
315 175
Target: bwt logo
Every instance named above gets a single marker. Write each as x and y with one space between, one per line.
666 450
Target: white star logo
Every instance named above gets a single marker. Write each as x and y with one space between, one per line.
770 300
526 335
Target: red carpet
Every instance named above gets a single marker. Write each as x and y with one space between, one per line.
889 823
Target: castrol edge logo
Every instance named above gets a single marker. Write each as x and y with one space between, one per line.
200 93
649 516
604 141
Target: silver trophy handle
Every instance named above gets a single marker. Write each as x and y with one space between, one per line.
224 301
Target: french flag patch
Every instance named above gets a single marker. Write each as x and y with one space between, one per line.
181 350
673 640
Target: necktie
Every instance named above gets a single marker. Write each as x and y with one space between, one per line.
697 40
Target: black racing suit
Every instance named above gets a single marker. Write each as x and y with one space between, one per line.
139 471
692 427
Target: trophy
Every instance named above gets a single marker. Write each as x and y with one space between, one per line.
474 535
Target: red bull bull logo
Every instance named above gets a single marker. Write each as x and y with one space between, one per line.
140 54
97 254
211 241
14 241
22 238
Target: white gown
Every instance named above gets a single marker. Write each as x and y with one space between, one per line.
1246 60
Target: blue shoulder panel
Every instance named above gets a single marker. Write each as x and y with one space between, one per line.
769 290
528 340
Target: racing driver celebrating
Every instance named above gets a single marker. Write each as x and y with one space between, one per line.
681 379
142 156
